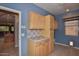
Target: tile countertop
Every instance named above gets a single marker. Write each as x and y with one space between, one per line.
39 39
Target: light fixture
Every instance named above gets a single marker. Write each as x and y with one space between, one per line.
67 10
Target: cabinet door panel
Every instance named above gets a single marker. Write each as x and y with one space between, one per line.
53 23
31 47
36 21
45 48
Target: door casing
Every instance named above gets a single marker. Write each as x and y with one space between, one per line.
19 12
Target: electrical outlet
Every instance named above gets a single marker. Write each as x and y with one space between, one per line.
71 43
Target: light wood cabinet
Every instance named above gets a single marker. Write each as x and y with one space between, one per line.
36 21
52 22
49 31
56 25
48 24
38 48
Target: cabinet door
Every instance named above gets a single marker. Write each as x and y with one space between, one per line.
36 21
42 49
52 22
37 49
56 25
52 39
45 49
31 47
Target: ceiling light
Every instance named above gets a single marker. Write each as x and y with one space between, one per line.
67 10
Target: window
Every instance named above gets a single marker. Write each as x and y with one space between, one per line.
71 27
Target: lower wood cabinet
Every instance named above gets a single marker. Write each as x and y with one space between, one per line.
38 48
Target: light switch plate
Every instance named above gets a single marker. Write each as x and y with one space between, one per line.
22 34
23 26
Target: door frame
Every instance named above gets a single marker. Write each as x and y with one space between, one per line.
19 12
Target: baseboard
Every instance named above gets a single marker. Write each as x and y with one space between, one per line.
61 44
76 47
64 45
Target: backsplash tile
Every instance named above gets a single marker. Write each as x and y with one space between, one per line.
33 33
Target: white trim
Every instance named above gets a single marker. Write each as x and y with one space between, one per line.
76 47
15 11
60 44
9 9
19 33
64 45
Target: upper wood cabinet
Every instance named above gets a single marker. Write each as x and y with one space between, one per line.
36 21
52 22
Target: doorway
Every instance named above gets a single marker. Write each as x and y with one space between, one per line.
9 32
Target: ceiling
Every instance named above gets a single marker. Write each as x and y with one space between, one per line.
58 8
6 18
